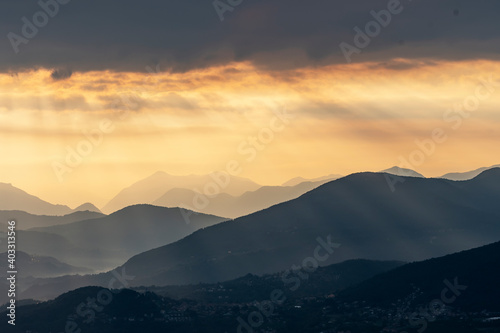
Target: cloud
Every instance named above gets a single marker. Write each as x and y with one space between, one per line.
45 103
61 74
126 35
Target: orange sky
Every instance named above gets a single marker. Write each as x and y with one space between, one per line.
346 118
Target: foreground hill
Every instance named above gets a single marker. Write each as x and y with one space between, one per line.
478 270
395 301
250 288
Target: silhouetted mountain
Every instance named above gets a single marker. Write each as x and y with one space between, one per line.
13 198
233 207
403 172
423 218
250 288
148 190
124 311
26 220
52 245
132 230
478 270
229 306
297 180
467 175
41 266
87 207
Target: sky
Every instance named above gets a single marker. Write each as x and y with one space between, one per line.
104 93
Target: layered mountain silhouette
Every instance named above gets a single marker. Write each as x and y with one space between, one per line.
249 288
422 218
14 198
324 280
148 190
17 199
298 180
229 206
26 220
467 175
52 245
125 233
477 270
41 266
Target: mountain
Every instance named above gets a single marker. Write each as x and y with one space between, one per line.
131 230
324 280
41 266
357 216
467 175
423 218
397 171
477 270
389 298
26 220
51 245
250 288
87 207
297 180
148 190
13 198
233 207
124 311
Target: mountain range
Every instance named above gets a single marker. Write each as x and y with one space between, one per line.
423 218
110 240
147 190
230 206
14 198
358 216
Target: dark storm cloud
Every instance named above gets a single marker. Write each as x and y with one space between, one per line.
61 74
126 35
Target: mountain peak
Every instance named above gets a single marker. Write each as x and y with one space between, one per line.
397 171
87 207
